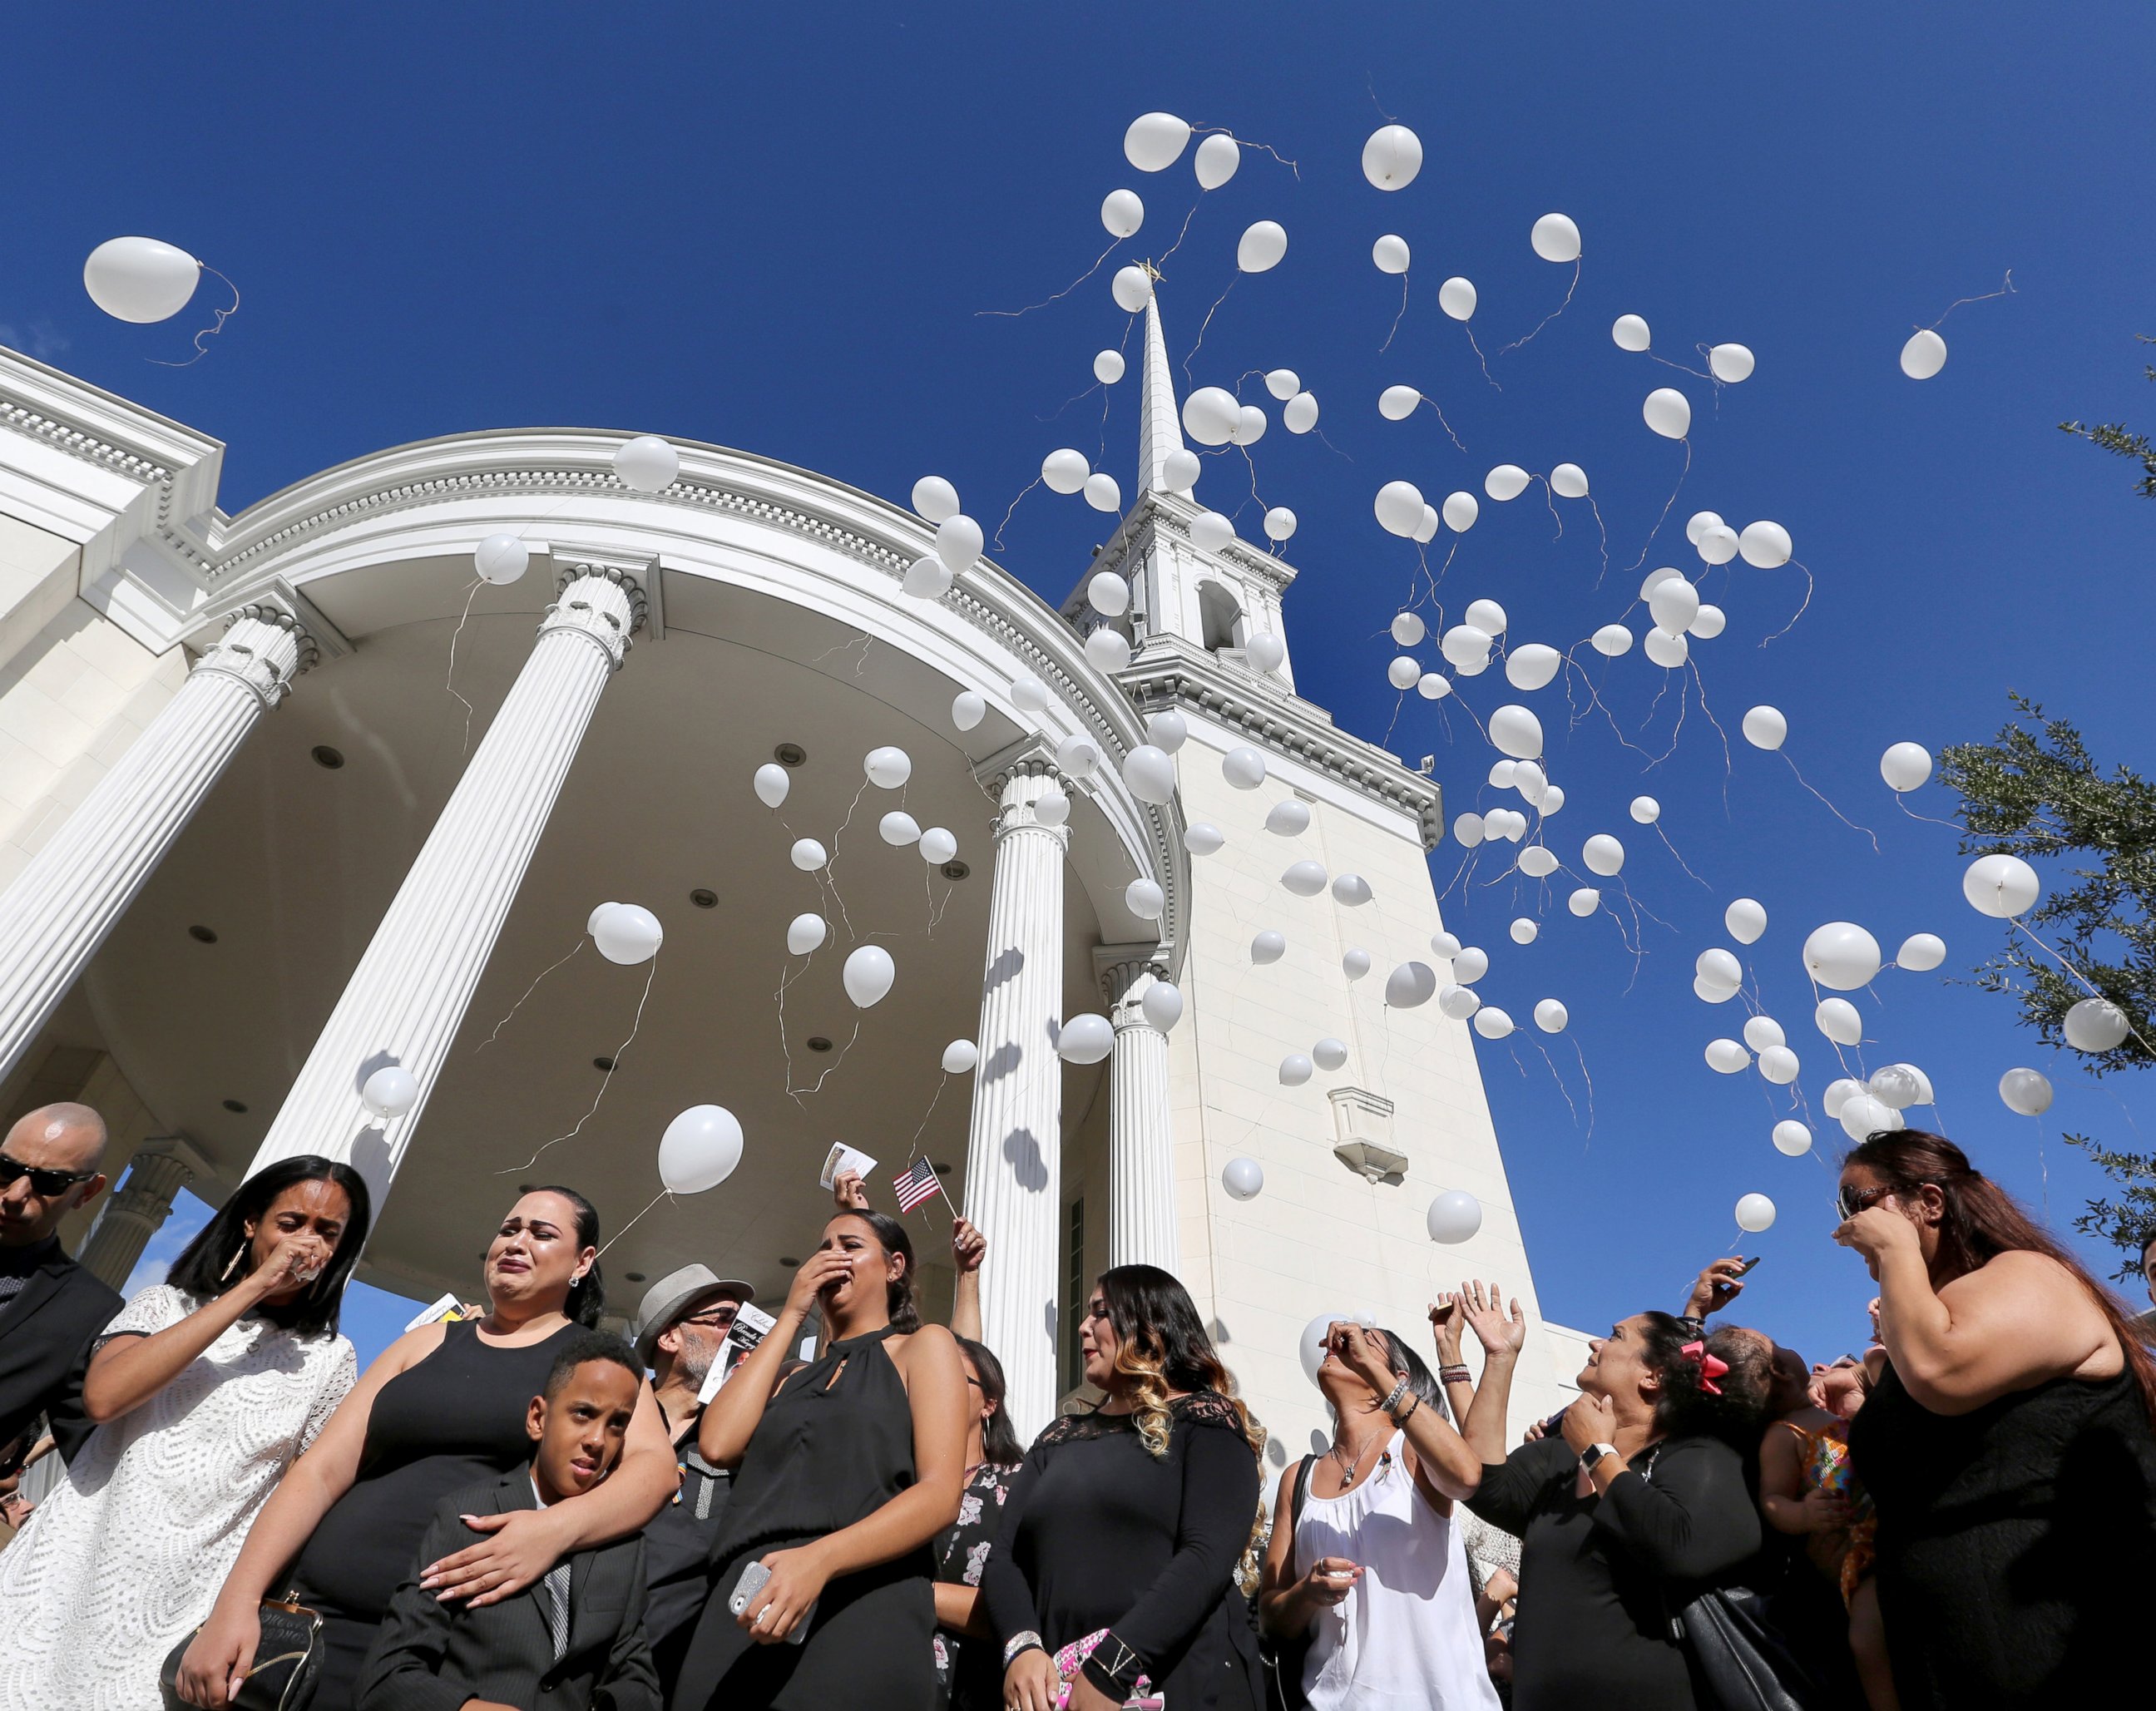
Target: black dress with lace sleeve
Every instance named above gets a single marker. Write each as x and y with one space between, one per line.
1100 1533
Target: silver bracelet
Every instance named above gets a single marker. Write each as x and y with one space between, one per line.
1028 1640
1393 1401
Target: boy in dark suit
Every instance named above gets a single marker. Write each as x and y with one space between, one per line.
571 1641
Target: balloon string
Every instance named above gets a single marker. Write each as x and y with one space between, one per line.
1013 314
606 1080
913 1146
519 1004
1587 1075
1803 606
2005 290
998 542
829 1069
1729 766
2093 990
1830 808
1447 426
1549 498
665 1194
1681 861
1478 356
1605 529
1245 142
1097 386
216 327
1551 1064
450 683
1180 236
1901 803
1553 313
1397 319
1682 369
1657 529
1206 323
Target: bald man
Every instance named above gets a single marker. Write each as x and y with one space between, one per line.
50 1307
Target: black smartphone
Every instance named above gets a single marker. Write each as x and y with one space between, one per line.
1744 1270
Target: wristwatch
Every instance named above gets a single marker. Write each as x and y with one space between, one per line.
1592 1454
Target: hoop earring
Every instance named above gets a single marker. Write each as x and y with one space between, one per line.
233 1264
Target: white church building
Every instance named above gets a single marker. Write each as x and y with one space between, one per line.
257 838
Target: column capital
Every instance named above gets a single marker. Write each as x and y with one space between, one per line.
1019 781
1124 972
603 603
264 649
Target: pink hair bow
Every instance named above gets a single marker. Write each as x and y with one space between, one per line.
1711 1367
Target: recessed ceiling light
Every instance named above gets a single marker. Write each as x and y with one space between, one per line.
790 754
943 1169
955 870
788 1262
603 1063
703 898
330 759
202 935
238 1107
634 1277
817 1042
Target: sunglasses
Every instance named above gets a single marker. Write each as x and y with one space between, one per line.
42 1181
1852 1200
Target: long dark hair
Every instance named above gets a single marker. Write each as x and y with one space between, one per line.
998 1437
898 1291
1162 1345
1982 1221
202 1266
586 1301
1684 1407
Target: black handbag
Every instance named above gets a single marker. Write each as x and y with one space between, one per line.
1283 1659
1739 1657
287 1667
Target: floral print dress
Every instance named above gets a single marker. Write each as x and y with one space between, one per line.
962 1553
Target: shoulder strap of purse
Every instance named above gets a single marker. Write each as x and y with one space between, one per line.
1303 1473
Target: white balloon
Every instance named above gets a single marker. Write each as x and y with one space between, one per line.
1201 839
626 933
1132 288
646 464
1396 403
1492 1023
1408 628
937 846
1029 694
1603 855
1551 1016
1283 384
899 828
1051 807
1755 1213
1458 1002
1523 930
1211 532
1144 898
1467 830
1409 986
773 781
1538 862
1161 1005
1764 1033
1555 238
1108 648
1392 157
1862 1116
1629 332
1065 471
1355 963
1516 732
1084 1038
1921 952
140 280
2096 1024
1646 810
935 499
1300 413
967 709
868 974
1708 622
960 1057
1242 1177
1780 1064
1612 640
1470 964
958 541
1699 523
1674 603
1727 1057
887 767
700 1149
1584 902
1895 1087
1655 579
1289 818
1167 729
1311 1345
805 933
1155 142
1328 1054
1269 946
1280 523
1730 362
1905 766
1398 506
1244 767
1665 649
1502 773
1668 412
1745 918
1569 481
1218 157
1211 415
1506 482
1306 879
807 854
1717 544
1924 354
1261 247
1180 469
1463 644
1837 1019
2001 886
1792 1138
390 1092
1108 366
1102 493
1839 1093
1765 728
1108 593
2026 1090
1351 889
1454 1217
1456 298
1122 213
1403 673
1432 686
928 578
500 559
1718 967
1765 546
1295 1069
1841 956
1461 511
1390 254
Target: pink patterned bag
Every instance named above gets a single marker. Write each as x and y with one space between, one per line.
1070 1657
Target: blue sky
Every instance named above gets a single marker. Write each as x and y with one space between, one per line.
773 228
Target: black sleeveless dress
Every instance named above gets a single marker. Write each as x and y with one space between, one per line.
2017 1543
455 1418
833 1447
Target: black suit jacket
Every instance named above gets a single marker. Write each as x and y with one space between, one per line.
45 1334
433 1657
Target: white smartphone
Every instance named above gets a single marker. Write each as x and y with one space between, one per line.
752 1578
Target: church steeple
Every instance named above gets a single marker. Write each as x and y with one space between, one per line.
1160 431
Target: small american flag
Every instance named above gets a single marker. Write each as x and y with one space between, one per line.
917 1183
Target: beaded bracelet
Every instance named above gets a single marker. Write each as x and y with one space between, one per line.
1026 1641
1455 1375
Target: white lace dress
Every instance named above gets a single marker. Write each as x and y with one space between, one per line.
125 1556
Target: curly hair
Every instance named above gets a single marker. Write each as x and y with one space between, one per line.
1684 1407
1161 1345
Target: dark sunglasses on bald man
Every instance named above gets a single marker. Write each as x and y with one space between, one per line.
42 1181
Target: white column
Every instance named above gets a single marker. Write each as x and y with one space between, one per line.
135 1211
60 908
1014 1150
1141 1146
406 1000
